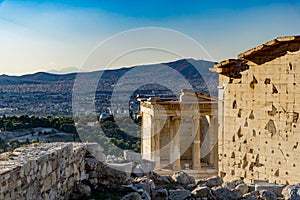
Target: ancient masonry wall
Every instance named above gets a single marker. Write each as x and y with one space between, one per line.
261 133
48 171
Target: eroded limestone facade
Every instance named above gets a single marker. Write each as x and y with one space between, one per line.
259 132
180 134
48 171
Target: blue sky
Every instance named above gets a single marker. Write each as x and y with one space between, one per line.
45 35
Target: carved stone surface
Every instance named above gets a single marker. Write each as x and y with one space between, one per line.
259 114
48 171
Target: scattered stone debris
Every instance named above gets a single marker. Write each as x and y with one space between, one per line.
180 186
211 182
179 194
183 178
243 188
132 196
291 192
99 176
81 191
201 192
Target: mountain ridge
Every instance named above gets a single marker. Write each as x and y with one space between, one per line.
44 77
44 94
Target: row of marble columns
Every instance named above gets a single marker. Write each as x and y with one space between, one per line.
174 136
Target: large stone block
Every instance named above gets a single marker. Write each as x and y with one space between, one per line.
277 189
47 183
97 151
291 192
160 194
225 194
201 192
132 156
122 167
183 178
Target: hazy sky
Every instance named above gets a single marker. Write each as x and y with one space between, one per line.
52 35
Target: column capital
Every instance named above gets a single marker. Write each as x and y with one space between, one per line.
176 117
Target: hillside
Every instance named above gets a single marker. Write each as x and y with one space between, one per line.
51 94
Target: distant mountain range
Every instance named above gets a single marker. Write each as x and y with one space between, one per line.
36 78
45 93
66 70
189 68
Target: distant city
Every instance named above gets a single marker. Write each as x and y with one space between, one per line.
45 94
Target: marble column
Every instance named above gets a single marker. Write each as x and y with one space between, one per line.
214 122
157 128
213 142
152 143
176 145
196 145
142 136
171 137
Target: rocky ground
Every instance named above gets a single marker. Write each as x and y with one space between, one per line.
134 179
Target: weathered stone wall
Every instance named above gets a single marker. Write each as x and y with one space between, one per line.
48 171
260 137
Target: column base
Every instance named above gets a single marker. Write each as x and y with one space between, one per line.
196 167
176 165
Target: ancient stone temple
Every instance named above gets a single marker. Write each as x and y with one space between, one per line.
259 115
180 134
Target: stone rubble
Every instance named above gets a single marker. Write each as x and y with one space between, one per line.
70 171
291 192
243 188
179 194
183 178
182 186
132 156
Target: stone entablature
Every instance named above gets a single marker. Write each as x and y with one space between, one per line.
184 107
258 113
